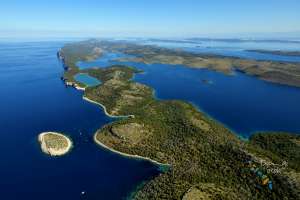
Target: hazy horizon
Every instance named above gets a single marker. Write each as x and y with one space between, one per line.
180 19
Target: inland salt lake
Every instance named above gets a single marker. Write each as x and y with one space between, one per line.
86 79
34 100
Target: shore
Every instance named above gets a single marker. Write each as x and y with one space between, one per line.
179 137
75 85
80 88
115 116
104 108
51 151
128 155
91 101
113 150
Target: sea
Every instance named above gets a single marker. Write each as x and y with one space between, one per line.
34 100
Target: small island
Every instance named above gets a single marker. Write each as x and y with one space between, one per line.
54 144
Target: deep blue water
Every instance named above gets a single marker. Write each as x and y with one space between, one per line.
243 103
86 79
33 100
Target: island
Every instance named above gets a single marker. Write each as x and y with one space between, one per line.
54 144
204 159
276 52
286 73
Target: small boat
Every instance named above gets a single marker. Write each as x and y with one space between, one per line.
206 81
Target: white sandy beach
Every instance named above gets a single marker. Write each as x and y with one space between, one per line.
127 155
113 150
104 108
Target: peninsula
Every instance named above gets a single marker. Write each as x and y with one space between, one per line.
54 144
207 160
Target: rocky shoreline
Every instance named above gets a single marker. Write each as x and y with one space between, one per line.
129 155
67 82
50 141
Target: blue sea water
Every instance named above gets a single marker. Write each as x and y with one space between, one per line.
86 79
33 100
243 103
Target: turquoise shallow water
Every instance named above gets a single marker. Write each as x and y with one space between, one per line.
86 79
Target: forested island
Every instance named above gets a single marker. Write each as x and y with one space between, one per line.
207 160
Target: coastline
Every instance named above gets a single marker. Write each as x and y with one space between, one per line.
104 109
79 88
113 150
213 165
128 155
75 85
50 151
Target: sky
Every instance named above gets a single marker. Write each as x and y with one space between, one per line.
149 18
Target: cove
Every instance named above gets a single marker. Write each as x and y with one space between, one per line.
243 103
